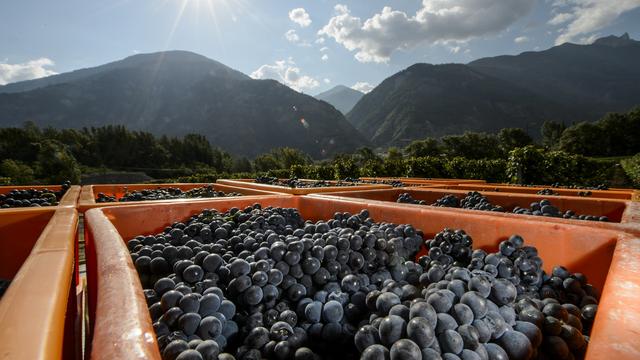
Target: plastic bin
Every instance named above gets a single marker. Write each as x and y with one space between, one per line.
251 184
121 323
69 199
37 312
414 180
90 192
623 215
605 194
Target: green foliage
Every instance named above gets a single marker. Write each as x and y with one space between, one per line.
492 170
525 165
632 169
241 164
529 165
56 164
422 148
472 145
17 172
512 138
551 133
616 134
394 154
281 158
344 166
428 167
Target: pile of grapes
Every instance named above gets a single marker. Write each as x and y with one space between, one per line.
262 283
546 208
168 193
33 197
296 183
476 201
393 183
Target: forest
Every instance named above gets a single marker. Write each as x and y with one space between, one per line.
584 153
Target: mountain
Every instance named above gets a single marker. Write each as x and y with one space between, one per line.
567 83
341 97
177 92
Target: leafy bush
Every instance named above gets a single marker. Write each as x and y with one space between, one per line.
632 169
529 165
17 172
56 164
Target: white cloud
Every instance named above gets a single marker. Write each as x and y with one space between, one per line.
291 36
300 17
560 18
32 69
376 38
521 39
320 40
324 48
455 49
327 81
584 17
365 87
287 73
325 57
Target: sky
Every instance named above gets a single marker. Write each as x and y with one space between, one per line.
309 45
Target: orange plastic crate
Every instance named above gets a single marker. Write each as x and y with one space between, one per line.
605 194
69 199
37 312
121 322
90 192
251 184
623 215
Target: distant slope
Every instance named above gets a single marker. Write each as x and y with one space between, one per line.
434 100
567 83
341 97
601 77
175 93
163 61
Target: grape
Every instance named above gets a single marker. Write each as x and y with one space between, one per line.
405 349
421 332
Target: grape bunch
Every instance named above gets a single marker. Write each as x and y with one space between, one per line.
33 197
393 183
546 208
448 200
546 192
294 182
161 193
476 201
406 198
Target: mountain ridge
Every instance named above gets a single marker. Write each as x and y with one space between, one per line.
568 83
185 93
343 98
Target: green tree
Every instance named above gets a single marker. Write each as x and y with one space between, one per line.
265 162
473 145
241 164
511 138
551 133
286 157
584 139
19 172
394 154
421 148
56 164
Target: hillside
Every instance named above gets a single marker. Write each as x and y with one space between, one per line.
176 93
565 83
341 97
